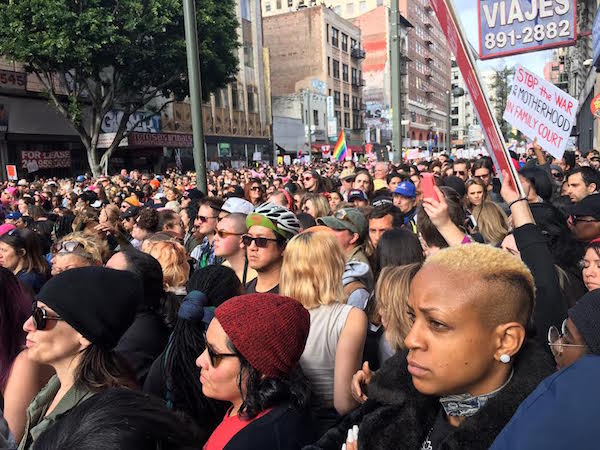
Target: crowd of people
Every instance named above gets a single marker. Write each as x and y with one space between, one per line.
427 305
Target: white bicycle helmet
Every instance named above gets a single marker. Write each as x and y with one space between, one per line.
286 221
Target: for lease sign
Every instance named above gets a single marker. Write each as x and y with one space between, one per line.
508 27
540 110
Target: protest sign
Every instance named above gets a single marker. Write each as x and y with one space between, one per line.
538 109
11 172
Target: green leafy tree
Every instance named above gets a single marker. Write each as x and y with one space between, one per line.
92 56
501 84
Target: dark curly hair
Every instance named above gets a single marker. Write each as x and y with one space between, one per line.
148 220
260 392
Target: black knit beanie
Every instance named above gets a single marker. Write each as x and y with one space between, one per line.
586 317
99 303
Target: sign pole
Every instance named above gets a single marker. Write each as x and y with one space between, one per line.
457 41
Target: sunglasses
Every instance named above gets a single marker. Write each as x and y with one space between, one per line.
575 219
204 219
557 175
216 358
460 172
67 246
40 317
307 178
261 242
223 234
255 188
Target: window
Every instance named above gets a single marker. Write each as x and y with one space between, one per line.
353 43
278 4
345 72
454 111
336 69
218 102
235 98
248 55
349 8
246 9
354 102
329 66
454 122
335 37
344 42
251 99
346 120
327 31
354 76
355 122
329 92
346 101
315 118
290 3
336 98
363 6
268 7
338 118
379 2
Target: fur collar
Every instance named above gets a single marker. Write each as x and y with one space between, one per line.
399 416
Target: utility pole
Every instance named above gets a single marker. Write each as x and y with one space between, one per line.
448 122
395 80
193 63
308 121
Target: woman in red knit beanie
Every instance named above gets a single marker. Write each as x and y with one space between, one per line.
253 346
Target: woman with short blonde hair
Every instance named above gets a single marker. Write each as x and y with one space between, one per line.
313 265
391 292
316 205
173 260
78 250
492 222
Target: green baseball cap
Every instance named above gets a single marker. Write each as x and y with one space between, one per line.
350 219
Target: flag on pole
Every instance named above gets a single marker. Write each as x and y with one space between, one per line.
340 149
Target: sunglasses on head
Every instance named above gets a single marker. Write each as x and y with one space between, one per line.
67 246
214 357
40 317
261 242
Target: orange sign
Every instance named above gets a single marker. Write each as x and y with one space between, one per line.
595 106
11 172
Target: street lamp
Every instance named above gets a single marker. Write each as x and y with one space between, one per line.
456 92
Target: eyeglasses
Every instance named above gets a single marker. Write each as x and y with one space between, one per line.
255 188
216 358
40 317
557 175
460 172
307 178
204 219
555 339
261 242
223 234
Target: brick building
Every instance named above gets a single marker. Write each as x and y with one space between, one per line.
315 51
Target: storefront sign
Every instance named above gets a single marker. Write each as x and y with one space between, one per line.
596 39
33 160
509 27
13 80
160 140
457 42
224 150
148 123
540 111
105 140
11 172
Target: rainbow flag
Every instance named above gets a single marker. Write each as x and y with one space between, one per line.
340 149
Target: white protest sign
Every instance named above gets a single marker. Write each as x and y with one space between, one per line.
540 110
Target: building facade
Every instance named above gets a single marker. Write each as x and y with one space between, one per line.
236 119
314 51
375 26
465 127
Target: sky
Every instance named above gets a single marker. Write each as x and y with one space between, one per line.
534 61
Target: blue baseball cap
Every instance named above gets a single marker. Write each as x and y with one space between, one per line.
14 215
80 179
357 194
406 189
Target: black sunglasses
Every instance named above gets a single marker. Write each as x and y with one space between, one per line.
40 317
216 358
204 219
261 242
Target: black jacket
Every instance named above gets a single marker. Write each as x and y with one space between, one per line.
550 305
141 344
281 429
396 416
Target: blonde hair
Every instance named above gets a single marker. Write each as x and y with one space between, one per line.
313 265
94 248
510 290
492 222
112 214
391 293
470 182
320 204
173 259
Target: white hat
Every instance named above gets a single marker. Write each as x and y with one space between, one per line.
96 204
22 183
158 196
237 205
